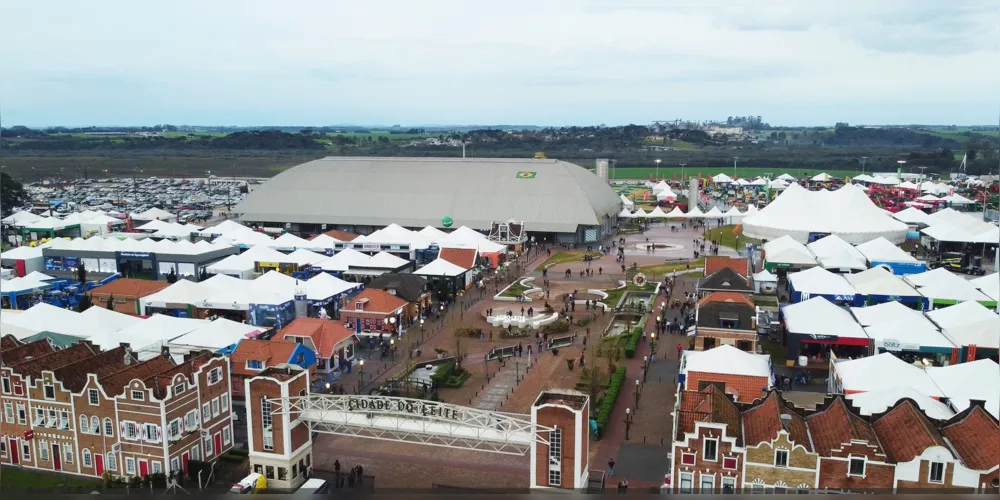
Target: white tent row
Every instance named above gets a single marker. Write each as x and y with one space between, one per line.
225 292
941 285
154 214
20 217
894 326
48 318
954 226
787 250
832 252
818 316
879 281
819 281
846 212
989 285
912 215
883 250
440 267
101 244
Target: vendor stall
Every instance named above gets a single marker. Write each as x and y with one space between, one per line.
23 260
815 327
882 252
942 289
819 282
878 285
785 254
907 333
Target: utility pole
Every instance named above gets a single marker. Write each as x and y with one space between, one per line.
864 159
683 178
735 158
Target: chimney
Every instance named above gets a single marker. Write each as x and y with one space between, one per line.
786 421
165 351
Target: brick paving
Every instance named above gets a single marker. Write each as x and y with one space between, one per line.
503 383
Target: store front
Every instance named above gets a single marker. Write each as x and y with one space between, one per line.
817 348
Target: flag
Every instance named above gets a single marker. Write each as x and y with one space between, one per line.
645 196
737 229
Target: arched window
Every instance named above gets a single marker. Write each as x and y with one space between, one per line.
86 458
84 424
109 427
95 424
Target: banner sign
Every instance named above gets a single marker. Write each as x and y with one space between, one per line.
135 255
416 408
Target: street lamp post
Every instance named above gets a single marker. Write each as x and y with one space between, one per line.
682 174
361 374
645 368
421 330
656 176
652 344
637 394
734 167
628 421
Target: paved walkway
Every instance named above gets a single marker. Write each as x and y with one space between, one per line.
503 383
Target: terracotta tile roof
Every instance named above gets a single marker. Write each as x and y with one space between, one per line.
115 383
24 352
461 257
74 376
709 405
905 432
728 297
744 388
835 426
339 235
8 342
763 422
130 288
52 361
714 263
325 334
160 381
408 286
270 352
379 301
976 438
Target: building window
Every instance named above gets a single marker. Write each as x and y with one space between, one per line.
109 427
710 449
50 391
152 432
757 489
8 412
3 448
781 458
43 451
95 425
112 462
84 424
214 376
26 451
138 395
178 389
6 385
729 485
780 490
206 412
196 452
857 467
93 397
86 457
225 402
687 458
68 453
18 390
64 419
226 436
555 443
175 464
215 407
707 484
269 472
282 474
191 420
39 417
175 428
686 483
22 414
936 473
255 364
208 447
729 463
265 413
129 465
555 477
157 467
131 430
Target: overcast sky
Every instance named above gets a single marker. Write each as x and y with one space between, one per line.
546 62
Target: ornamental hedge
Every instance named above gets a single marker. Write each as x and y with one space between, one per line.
608 403
633 342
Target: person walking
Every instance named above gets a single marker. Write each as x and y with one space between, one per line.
611 467
679 349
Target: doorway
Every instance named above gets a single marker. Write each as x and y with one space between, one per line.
708 343
14 450
143 468
56 457
99 464
218 443
184 462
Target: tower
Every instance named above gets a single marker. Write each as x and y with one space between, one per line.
280 446
301 303
563 462
601 169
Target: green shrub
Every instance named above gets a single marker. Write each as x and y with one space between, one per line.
561 326
243 452
610 396
443 373
584 321
633 342
457 378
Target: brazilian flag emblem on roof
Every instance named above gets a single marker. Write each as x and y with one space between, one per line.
526 175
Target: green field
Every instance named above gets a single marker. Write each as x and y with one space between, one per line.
14 478
622 173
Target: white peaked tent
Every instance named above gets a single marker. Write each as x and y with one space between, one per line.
894 321
908 185
760 181
639 213
957 199
778 184
694 213
661 186
989 285
819 316
824 177
786 177
656 213
875 402
742 182
385 260
627 204
722 179
786 250
847 212
819 281
624 214
912 215
940 285
962 314
440 267
433 233
832 252
21 217
666 194
714 213
305 257
733 212
235 265
289 241
862 178
676 213
324 242
878 281
751 209
344 260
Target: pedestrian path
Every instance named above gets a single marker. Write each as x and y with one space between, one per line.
502 385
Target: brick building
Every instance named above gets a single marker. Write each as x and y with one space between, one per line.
726 318
409 287
252 356
126 292
332 343
280 448
770 446
83 411
745 375
374 312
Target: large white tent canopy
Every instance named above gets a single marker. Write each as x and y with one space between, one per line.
787 250
832 252
846 212
819 316
819 281
879 281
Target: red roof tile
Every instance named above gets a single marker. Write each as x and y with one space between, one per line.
130 288
709 405
325 334
27 351
836 426
8 342
339 235
270 352
744 388
115 383
905 432
461 257
713 263
163 379
52 361
727 297
763 422
379 301
976 438
74 376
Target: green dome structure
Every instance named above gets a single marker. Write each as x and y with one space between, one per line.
446 221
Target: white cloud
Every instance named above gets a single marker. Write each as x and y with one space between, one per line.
547 62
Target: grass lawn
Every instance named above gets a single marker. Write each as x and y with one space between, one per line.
765 300
14 478
625 173
515 290
661 269
727 238
566 256
777 352
615 294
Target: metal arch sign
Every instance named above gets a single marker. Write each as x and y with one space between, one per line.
408 406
